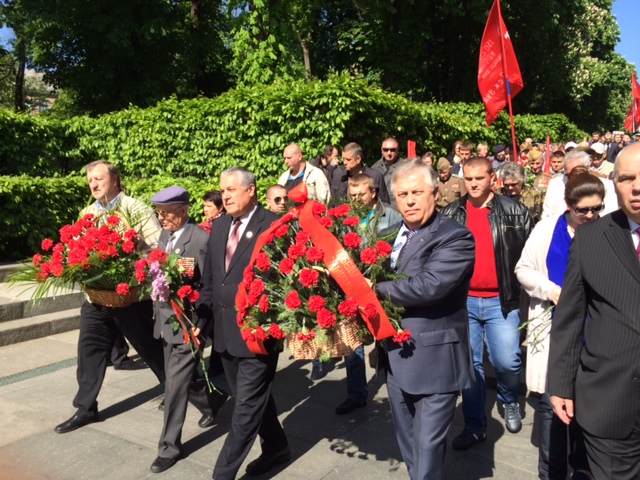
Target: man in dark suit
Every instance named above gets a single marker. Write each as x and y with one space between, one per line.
180 236
595 334
425 374
250 376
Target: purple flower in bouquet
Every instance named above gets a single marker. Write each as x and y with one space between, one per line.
160 289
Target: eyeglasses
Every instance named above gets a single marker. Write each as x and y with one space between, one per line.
389 149
279 200
166 213
585 210
511 185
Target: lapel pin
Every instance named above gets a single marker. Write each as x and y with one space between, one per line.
177 250
249 234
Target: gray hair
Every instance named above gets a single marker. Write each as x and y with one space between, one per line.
246 177
415 166
513 171
580 155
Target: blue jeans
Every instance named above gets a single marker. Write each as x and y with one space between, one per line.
356 376
487 323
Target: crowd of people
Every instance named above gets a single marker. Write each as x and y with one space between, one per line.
476 237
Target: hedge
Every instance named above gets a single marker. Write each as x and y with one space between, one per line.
250 126
36 208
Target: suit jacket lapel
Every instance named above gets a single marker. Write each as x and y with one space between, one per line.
252 230
163 239
417 242
184 239
221 246
619 236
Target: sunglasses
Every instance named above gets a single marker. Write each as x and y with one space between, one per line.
585 210
389 149
279 200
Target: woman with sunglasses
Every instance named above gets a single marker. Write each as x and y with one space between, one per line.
540 271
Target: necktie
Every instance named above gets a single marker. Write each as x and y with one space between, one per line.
172 237
232 243
409 234
638 247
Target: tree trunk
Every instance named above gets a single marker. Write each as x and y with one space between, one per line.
19 105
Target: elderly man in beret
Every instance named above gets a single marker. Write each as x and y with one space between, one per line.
180 235
499 157
450 187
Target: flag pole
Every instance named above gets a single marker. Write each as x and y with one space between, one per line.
506 78
633 104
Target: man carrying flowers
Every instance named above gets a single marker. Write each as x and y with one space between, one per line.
250 376
180 236
99 325
426 372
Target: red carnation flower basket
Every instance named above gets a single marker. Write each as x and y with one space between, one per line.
307 282
98 253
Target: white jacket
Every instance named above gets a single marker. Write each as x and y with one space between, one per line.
317 183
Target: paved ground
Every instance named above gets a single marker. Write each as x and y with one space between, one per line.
37 384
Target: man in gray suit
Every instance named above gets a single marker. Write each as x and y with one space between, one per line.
595 334
425 373
180 236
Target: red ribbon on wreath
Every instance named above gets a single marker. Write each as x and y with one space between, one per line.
339 263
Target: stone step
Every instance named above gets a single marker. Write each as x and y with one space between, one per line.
16 302
6 270
15 331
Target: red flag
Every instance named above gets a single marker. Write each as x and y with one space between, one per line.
633 117
411 149
496 43
547 156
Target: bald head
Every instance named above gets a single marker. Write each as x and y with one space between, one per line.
293 158
626 177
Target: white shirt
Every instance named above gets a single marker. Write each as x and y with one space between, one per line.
554 204
244 221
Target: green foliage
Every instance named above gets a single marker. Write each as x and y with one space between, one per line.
250 127
35 208
36 146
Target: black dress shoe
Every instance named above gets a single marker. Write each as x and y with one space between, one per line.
161 406
206 421
130 365
76 422
349 406
266 462
161 464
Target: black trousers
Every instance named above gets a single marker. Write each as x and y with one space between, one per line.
120 350
250 380
99 328
613 459
560 445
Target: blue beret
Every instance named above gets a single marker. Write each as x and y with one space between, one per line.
171 195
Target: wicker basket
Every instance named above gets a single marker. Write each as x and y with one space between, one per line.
344 340
109 298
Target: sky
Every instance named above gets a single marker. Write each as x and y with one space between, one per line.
627 13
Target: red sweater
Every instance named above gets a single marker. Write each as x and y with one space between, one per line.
484 282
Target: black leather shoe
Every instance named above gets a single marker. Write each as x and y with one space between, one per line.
76 422
349 406
266 462
161 464
130 365
161 406
206 421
